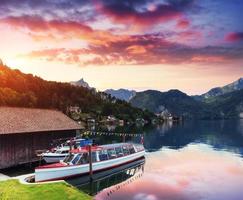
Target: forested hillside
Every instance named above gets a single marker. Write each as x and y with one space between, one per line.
26 90
224 106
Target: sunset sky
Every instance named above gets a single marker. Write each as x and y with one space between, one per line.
191 45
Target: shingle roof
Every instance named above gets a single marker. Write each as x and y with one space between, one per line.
26 120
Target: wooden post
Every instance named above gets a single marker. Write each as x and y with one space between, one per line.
90 163
70 145
123 138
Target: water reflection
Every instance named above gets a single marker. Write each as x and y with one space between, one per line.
196 171
113 179
190 160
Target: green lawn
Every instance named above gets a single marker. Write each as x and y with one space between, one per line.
13 190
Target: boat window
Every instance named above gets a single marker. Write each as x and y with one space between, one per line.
76 159
119 152
111 153
63 152
131 149
139 147
93 156
84 159
125 150
58 151
103 155
68 158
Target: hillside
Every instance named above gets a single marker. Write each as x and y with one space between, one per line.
217 91
175 101
229 105
121 94
26 90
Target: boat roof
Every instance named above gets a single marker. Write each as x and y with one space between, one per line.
115 145
101 147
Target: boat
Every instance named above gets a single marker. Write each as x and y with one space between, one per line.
107 178
104 157
59 153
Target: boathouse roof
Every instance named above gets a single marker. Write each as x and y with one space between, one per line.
29 120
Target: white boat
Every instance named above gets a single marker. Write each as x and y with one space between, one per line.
59 153
103 157
56 156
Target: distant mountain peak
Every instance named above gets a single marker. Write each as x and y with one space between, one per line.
81 83
122 94
234 86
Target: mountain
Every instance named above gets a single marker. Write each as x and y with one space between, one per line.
81 83
25 90
228 105
175 101
237 85
121 94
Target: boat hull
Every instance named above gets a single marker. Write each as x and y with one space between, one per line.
64 172
105 175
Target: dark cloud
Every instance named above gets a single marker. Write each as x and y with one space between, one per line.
144 12
234 37
180 4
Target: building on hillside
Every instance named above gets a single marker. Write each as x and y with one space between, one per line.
23 131
104 96
91 120
74 109
111 119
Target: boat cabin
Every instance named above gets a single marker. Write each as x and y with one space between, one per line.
102 153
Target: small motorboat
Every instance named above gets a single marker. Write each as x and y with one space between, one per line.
104 157
59 153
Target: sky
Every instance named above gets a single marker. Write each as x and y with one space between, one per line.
190 45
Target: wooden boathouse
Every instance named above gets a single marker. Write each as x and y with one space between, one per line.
25 130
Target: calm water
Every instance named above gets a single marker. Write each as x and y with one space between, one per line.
200 160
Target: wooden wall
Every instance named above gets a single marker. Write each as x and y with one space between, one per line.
19 148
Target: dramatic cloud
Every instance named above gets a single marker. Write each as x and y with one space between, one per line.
138 32
142 13
140 50
234 37
40 29
183 23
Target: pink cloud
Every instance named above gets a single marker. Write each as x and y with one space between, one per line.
183 24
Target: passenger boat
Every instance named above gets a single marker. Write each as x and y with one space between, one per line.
108 178
77 163
59 153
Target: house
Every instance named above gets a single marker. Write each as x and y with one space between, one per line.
111 119
74 109
121 122
23 131
165 115
90 120
104 96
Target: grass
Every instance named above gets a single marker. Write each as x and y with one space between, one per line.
13 190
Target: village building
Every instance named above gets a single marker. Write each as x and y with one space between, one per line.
74 109
111 119
23 131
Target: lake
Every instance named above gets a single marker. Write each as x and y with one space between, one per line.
185 161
